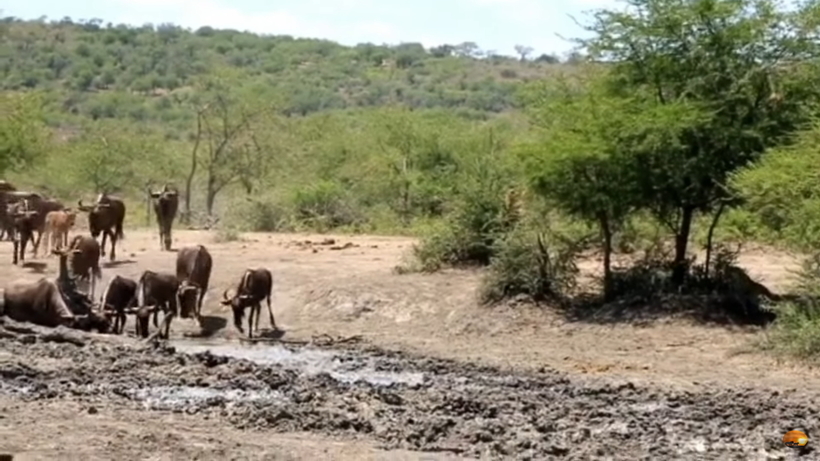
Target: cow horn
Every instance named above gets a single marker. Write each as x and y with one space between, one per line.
246 296
81 317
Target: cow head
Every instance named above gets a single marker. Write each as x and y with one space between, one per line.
91 321
238 302
70 217
94 213
142 315
187 295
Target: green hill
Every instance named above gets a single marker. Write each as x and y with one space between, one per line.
118 71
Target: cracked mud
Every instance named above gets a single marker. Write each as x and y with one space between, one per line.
404 402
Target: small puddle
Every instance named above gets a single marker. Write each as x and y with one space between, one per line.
171 397
341 366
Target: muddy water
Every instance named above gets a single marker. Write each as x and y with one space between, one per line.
342 366
419 403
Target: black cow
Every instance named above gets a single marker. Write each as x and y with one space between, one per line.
163 291
105 217
120 294
166 203
194 264
255 285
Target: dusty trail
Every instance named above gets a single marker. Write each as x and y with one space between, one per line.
469 410
511 382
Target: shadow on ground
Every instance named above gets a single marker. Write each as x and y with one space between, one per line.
716 309
117 263
35 267
209 325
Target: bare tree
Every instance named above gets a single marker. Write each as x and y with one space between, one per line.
232 152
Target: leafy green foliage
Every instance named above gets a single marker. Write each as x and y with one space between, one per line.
99 67
782 191
23 134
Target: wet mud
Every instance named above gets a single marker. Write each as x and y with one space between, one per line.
401 401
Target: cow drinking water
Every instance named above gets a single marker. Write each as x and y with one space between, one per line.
254 286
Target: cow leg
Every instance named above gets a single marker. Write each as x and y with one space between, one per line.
199 306
167 237
169 315
250 322
36 245
16 250
156 314
113 239
270 313
102 244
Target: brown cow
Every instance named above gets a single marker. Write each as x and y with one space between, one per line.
164 292
194 264
85 260
105 217
255 285
42 303
166 203
57 226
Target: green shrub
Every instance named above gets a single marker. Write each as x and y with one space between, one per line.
533 264
323 206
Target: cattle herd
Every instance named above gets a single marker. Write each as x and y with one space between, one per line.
60 302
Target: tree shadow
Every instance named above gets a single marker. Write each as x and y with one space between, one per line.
209 325
117 263
713 309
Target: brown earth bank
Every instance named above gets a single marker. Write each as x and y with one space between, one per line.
671 388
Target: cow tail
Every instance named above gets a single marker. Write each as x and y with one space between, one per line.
140 293
118 230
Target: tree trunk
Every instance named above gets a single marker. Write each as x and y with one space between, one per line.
186 217
710 236
211 195
681 244
606 233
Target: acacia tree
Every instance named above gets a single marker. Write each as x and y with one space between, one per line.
583 163
747 63
227 143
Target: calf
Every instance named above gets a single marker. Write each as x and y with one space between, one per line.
23 222
255 285
106 218
85 260
166 202
194 265
164 292
119 295
57 225
42 303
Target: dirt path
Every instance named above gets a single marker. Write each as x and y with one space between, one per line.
347 288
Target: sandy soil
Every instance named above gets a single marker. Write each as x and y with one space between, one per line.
347 288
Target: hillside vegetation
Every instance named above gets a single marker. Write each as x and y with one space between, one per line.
700 131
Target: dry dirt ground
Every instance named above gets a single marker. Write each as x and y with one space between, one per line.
705 380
